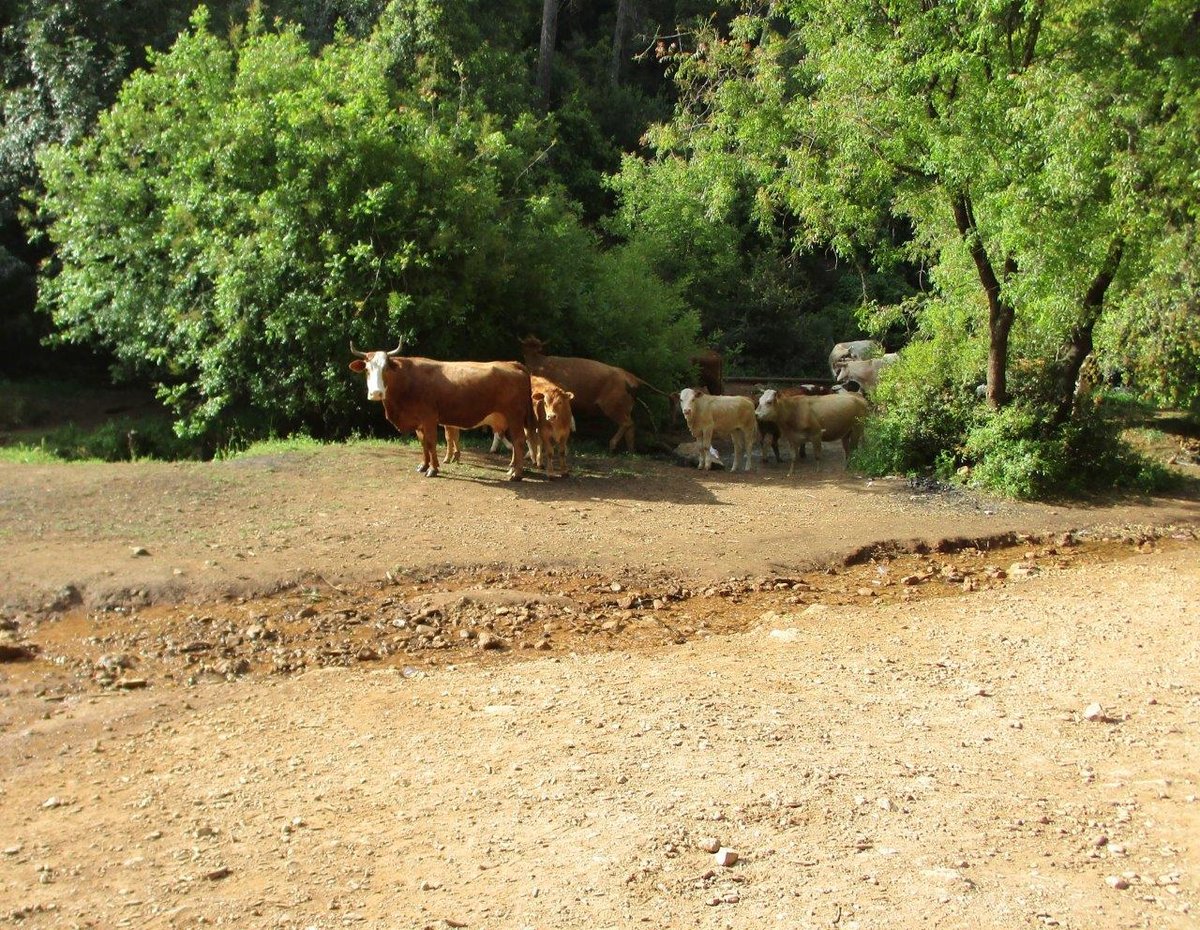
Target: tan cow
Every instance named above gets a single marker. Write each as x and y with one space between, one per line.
419 393
597 388
725 415
549 428
794 417
842 417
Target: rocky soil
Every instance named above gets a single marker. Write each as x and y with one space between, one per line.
318 691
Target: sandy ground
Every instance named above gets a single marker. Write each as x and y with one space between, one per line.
333 694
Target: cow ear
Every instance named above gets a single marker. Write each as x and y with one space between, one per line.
358 365
538 397
570 396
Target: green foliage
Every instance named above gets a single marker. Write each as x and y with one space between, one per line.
247 207
118 440
1012 452
924 405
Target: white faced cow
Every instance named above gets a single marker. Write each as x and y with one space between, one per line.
725 415
419 393
825 418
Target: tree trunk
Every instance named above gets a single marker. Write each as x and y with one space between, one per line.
1079 341
620 35
1000 312
546 48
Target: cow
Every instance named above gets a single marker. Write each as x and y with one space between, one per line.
770 431
857 349
548 431
707 416
802 419
794 418
842 415
865 371
553 423
419 393
597 388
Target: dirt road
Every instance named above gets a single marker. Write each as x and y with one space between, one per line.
967 738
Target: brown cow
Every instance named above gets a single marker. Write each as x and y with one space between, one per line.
549 429
553 423
597 388
420 393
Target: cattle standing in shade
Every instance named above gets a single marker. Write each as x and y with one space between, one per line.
597 388
865 371
770 431
419 393
708 416
857 349
842 415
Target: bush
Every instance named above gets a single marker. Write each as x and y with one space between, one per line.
1014 453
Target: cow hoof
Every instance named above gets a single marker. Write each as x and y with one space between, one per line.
421 469
513 476
431 473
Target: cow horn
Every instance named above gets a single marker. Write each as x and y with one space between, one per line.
399 346
357 352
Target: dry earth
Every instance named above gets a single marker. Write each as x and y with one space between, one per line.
314 690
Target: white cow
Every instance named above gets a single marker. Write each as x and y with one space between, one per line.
708 415
858 349
824 418
864 371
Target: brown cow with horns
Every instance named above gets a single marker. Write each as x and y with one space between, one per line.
420 393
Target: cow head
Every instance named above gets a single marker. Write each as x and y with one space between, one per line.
373 363
687 402
554 406
533 346
767 405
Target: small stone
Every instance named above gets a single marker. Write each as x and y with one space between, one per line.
218 873
730 897
11 850
427 885
1117 881
885 804
710 844
488 640
1100 841
1094 712
131 684
53 802
725 856
137 551
1023 570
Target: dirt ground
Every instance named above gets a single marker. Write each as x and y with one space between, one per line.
313 689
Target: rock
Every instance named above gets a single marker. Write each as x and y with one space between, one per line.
218 873
490 640
53 802
710 844
1094 712
725 856
1023 570
885 804
138 551
1117 881
130 684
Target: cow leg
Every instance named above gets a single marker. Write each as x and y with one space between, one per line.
427 433
516 466
453 449
706 449
817 443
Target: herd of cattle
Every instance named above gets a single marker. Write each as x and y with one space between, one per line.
534 404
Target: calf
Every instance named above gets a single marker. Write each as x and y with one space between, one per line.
708 416
553 423
842 416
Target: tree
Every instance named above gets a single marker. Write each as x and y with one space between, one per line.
1035 149
247 207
